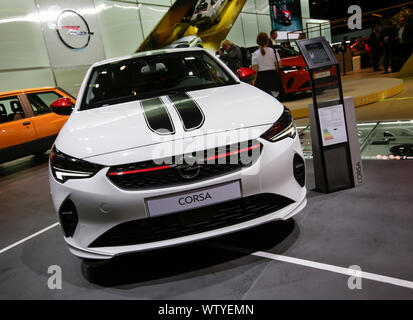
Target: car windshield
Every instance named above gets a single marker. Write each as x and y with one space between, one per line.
151 76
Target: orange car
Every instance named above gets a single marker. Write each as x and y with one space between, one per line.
27 124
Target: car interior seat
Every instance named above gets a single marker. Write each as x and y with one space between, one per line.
3 113
17 109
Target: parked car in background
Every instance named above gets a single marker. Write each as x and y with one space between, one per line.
187 42
27 124
360 45
361 48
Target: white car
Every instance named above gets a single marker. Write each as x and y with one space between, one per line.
207 11
187 42
168 147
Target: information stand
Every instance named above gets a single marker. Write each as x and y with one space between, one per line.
336 148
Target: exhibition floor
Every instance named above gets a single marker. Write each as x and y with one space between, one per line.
369 227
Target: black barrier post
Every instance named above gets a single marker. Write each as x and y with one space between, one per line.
334 145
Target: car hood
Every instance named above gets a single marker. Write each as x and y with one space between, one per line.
124 126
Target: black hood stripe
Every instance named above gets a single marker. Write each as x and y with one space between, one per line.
157 116
188 110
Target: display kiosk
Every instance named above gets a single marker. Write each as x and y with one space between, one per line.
336 148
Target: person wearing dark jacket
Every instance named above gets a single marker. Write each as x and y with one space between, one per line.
388 35
403 42
375 46
231 54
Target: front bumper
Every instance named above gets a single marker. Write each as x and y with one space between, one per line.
101 205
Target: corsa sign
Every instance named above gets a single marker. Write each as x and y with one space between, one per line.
73 30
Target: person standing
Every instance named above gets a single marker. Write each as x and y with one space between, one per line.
344 45
273 37
403 42
375 46
231 54
264 62
388 35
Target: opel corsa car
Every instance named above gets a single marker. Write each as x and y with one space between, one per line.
168 147
27 124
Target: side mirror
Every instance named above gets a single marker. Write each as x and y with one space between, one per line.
246 74
62 106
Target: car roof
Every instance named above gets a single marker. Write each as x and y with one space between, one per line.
145 53
20 91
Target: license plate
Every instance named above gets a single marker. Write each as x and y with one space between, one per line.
322 75
193 199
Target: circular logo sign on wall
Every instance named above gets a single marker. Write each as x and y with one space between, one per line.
73 30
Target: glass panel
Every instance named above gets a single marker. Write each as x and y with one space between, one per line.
264 23
21 38
236 35
152 76
378 140
250 26
15 80
157 2
390 140
326 84
305 137
70 79
151 15
249 6
41 102
10 109
120 18
263 7
363 131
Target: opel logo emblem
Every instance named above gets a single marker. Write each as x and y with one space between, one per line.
189 170
73 30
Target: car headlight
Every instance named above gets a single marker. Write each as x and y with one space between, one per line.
65 167
283 128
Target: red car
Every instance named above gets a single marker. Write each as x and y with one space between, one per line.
294 75
357 46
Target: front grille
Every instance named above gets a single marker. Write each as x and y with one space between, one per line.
175 170
192 221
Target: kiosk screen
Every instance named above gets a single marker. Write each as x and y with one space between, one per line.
317 53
